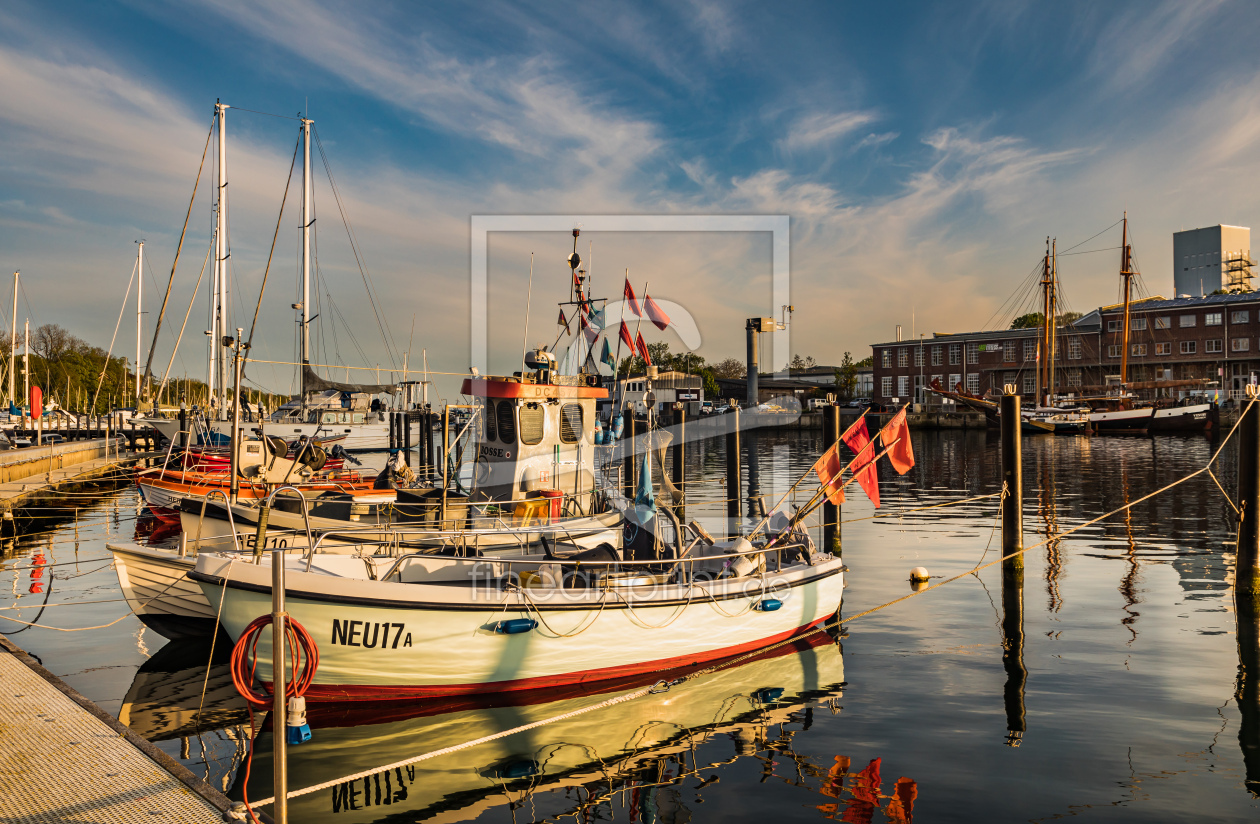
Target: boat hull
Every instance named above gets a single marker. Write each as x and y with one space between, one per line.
440 640
155 583
1131 421
1195 418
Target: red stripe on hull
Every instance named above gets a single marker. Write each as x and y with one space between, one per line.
382 692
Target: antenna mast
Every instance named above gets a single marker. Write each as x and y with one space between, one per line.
1126 276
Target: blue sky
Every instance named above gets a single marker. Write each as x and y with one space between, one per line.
922 151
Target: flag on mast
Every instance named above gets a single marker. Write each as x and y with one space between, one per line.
895 437
643 350
626 339
563 321
858 438
655 313
628 294
607 356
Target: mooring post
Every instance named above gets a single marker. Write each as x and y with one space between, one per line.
183 427
831 512
627 450
679 456
733 482
404 421
425 433
1012 479
1247 576
279 749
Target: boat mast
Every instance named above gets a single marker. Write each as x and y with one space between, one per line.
1047 319
1054 309
218 324
13 338
307 221
139 312
1126 276
26 363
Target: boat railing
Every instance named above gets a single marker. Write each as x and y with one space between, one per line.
236 543
306 518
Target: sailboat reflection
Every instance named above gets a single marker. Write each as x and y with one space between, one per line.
631 752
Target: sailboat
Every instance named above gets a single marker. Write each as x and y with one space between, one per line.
323 408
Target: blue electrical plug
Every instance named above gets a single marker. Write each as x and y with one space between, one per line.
297 731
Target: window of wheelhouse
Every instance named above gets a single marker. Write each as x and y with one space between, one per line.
571 423
505 417
532 422
488 413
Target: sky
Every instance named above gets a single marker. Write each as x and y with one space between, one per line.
923 153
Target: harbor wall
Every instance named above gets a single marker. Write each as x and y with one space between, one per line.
16 464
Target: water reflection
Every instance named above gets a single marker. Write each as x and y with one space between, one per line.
1247 691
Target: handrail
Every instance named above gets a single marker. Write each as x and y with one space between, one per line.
236 544
306 518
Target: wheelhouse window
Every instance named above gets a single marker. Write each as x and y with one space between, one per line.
489 416
507 421
533 418
570 423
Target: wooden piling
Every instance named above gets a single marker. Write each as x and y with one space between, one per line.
1012 478
733 480
1247 577
831 512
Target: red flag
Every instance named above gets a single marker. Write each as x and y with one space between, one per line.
628 294
643 350
589 331
655 313
577 281
828 470
626 339
857 438
563 321
895 437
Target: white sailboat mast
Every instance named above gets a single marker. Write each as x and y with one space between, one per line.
308 220
218 325
13 339
139 313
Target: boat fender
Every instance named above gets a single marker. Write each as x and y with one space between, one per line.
769 695
768 605
919 574
522 768
744 564
515 626
617 425
297 731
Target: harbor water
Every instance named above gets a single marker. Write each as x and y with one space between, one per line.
1103 684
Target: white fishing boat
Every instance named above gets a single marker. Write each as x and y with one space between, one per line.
418 625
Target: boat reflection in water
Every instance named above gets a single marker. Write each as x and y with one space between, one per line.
637 747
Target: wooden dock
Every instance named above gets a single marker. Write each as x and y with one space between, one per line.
62 758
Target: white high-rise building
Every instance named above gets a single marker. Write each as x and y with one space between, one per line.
1215 257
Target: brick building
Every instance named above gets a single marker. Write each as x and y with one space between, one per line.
1213 341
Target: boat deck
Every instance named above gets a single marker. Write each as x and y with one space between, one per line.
62 760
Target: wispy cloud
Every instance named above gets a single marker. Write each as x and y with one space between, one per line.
823 129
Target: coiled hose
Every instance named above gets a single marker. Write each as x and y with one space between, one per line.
244 664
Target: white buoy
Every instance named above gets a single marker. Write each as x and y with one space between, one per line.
919 574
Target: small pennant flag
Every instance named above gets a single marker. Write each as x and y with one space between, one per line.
577 281
628 294
607 356
858 438
655 313
626 339
563 321
643 350
828 469
589 332
895 436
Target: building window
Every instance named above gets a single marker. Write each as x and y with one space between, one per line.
903 386
886 359
1188 347
1213 345
1212 318
1239 317
885 387
1164 322
973 383
1074 378
1186 321
1137 350
1138 325
1008 379
937 355
1008 351
1074 348
1240 344
1113 351
954 380
955 354
1030 350
918 356
1163 349
1115 326
903 356
973 353
1030 384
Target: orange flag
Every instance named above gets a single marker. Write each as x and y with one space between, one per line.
828 469
895 437
857 438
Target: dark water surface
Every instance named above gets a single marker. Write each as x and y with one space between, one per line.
1105 686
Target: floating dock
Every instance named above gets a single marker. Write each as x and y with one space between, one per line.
62 758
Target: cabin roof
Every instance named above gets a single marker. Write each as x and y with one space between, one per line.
513 388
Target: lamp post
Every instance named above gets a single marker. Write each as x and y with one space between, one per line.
921 395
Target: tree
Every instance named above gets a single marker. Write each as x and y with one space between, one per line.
867 362
1069 318
730 368
711 390
1028 321
806 362
846 377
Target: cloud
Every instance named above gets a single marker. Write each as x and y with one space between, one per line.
823 129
